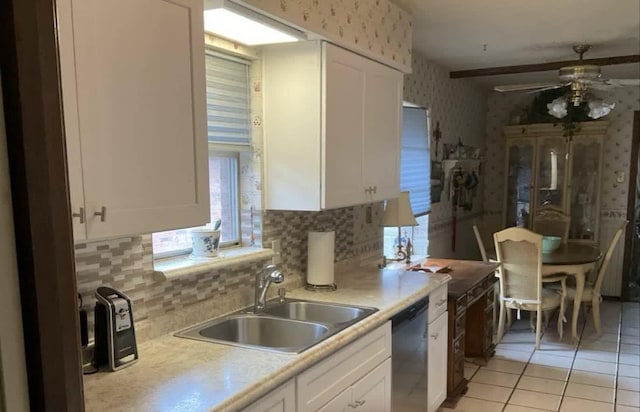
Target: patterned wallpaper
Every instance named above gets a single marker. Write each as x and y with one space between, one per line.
460 108
617 148
374 28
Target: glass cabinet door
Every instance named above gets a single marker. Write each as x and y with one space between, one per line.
585 187
520 157
552 165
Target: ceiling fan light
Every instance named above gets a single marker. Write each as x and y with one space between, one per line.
598 108
558 107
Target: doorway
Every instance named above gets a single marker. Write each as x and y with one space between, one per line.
631 275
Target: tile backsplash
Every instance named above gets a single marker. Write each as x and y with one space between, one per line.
161 306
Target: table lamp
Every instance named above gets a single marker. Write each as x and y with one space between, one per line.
398 213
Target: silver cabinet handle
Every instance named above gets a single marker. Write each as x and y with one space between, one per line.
80 215
360 403
435 336
352 406
441 302
375 189
102 213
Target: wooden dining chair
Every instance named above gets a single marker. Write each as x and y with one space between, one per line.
520 252
591 294
552 222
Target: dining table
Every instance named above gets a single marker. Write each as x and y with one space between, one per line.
573 258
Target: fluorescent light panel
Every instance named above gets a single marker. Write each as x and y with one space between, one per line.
228 21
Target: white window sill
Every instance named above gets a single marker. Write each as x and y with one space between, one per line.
184 266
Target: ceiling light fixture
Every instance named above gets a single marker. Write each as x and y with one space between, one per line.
238 23
597 107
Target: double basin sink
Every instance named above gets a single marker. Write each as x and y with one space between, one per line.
289 326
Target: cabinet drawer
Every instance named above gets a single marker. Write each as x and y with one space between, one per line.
490 295
326 380
475 293
437 303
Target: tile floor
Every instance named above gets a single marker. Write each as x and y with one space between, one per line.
599 373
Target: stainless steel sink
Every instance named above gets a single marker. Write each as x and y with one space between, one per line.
284 335
328 313
289 326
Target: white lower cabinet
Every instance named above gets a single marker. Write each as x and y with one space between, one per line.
437 362
357 377
282 399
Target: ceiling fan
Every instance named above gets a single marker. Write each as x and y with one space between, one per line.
580 77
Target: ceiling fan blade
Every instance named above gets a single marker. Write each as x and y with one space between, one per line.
608 84
521 87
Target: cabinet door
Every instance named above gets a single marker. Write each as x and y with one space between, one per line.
344 108
140 86
437 363
382 123
519 182
551 172
340 403
373 392
584 192
282 399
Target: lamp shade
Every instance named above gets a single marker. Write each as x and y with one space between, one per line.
398 212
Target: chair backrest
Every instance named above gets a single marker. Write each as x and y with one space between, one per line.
476 232
552 222
607 257
520 252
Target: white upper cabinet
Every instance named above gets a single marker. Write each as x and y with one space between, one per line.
133 87
332 127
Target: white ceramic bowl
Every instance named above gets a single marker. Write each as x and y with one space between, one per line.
205 243
550 243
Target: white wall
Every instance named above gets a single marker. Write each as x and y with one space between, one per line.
13 375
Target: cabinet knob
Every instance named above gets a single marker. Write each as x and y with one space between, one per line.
102 213
360 403
79 215
435 336
441 302
375 189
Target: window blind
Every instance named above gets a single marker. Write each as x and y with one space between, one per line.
415 160
228 105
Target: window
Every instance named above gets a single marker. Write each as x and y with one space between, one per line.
415 176
228 129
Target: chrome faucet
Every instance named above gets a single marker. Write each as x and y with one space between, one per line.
264 278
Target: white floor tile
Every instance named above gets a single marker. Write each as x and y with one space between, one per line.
628 359
508 380
597 355
557 350
593 393
628 384
531 383
544 359
629 348
518 408
535 399
594 366
631 339
506 366
520 347
512 355
583 405
632 371
478 405
469 371
548 372
488 392
590 378
623 408
630 331
588 337
628 398
604 346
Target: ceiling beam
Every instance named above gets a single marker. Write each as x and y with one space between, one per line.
543 67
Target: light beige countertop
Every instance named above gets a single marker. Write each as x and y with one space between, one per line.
177 374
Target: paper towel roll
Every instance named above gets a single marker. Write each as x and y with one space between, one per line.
320 257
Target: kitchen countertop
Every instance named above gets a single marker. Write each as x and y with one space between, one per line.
177 374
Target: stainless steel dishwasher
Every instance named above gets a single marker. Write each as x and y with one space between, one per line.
409 358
